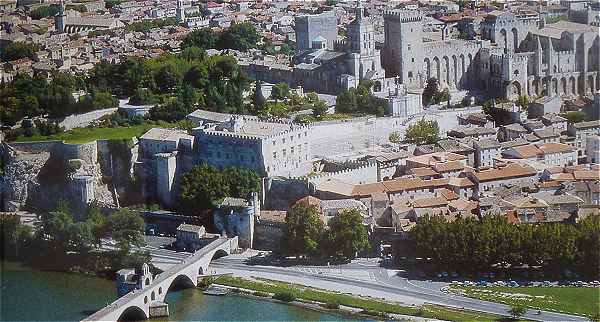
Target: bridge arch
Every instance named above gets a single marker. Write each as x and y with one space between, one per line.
133 313
181 281
219 253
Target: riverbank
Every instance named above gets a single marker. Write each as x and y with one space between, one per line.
34 295
367 306
584 301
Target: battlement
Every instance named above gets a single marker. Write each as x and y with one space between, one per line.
363 172
404 15
456 43
292 130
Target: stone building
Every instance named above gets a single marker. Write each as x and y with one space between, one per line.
414 59
71 21
518 54
311 28
271 148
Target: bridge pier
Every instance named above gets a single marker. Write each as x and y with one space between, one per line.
158 309
148 299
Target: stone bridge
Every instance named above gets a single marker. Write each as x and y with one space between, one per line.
136 304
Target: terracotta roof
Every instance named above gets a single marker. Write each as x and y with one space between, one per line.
368 189
548 184
512 170
448 166
548 148
586 175
436 157
430 202
562 177
448 194
460 182
462 204
309 201
527 151
530 202
423 172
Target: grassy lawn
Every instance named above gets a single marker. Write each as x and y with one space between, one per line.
574 300
84 135
319 295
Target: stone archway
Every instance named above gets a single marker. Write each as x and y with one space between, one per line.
515 35
133 313
181 282
563 86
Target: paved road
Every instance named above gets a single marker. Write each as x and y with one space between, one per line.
371 280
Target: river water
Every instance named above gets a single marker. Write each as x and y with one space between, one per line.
32 295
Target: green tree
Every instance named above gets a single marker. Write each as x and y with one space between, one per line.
280 91
395 137
423 132
239 36
347 236
523 101
44 12
319 109
167 78
17 50
431 89
575 117
203 38
241 181
193 54
517 311
126 227
97 223
360 100
258 100
588 245
201 188
303 230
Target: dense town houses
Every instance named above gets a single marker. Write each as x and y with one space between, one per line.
515 110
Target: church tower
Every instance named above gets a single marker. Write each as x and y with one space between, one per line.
361 33
60 19
364 59
180 12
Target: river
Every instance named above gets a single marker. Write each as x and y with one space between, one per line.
32 295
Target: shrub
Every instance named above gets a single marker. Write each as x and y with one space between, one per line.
205 282
284 296
374 313
332 304
260 294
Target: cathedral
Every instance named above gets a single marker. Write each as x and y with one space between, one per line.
518 54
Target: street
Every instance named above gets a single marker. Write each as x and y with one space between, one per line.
364 277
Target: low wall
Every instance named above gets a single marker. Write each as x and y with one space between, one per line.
82 120
360 175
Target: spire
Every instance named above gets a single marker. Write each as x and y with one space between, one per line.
360 10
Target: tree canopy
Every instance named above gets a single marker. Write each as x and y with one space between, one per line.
359 100
17 50
423 132
347 236
239 36
470 245
303 230
204 185
432 93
